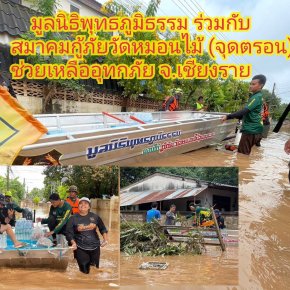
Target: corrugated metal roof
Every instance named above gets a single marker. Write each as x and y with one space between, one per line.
134 198
14 18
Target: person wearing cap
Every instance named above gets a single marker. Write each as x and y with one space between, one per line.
172 103
72 199
5 217
12 205
59 213
220 219
82 235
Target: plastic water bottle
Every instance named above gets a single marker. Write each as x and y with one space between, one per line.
4 240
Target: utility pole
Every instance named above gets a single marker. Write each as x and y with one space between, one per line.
273 93
7 178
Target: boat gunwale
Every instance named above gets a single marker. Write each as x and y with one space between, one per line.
70 139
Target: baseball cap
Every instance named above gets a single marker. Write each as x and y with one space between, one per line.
85 199
8 193
54 196
73 188
178 91
216 211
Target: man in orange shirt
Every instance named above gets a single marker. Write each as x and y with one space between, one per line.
72 199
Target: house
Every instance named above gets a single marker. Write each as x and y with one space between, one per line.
167 189
15 20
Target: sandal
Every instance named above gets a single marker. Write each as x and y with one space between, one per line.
22 245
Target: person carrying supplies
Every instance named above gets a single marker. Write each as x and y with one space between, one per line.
59 213
82 235
72 199
172 103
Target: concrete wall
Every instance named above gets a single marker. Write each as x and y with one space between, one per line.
108 210
65 6
60 106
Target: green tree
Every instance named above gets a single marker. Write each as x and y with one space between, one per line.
91 181
36 200
224 175
48 8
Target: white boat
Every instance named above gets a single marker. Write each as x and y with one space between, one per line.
32 256
123 138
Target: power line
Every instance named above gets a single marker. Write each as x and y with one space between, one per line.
221 33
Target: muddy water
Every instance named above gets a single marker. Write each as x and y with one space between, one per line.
106 277
264 249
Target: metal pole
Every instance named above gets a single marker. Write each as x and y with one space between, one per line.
223 247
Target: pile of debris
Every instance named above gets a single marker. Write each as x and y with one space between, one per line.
153 240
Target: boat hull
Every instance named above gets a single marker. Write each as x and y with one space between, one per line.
99 141
54 258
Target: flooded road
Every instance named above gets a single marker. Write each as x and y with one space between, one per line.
264 249
106 277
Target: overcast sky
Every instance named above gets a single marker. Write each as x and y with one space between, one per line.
270 20
32 174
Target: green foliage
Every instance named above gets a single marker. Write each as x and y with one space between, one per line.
36 192
224 175
91 181
36 200
15 186
45 7
150 239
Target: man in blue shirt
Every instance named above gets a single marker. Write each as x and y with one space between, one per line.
153 213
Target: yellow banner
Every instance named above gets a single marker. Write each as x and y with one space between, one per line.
17 128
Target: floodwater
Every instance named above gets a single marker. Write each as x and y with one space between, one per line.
264 229
106 277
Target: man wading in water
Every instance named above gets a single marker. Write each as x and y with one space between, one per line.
252 126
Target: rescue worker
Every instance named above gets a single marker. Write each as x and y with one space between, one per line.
59 213
172 103
252 126
202 214
72 199
13 206
199 105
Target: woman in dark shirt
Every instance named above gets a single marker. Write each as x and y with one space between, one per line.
82 234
